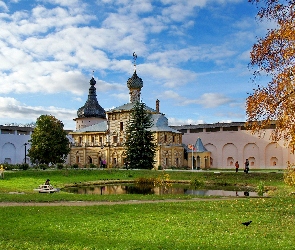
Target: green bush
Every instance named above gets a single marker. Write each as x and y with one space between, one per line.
261 188
196 183
59 166
43 166
91 165
24 166
75 165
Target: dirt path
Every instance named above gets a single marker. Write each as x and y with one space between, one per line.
100 203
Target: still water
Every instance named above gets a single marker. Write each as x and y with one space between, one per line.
131 189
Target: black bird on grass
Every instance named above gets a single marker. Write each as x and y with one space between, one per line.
247 223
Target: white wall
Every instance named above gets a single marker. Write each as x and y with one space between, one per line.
240 145
12 149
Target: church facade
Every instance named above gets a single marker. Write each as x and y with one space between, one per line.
100 136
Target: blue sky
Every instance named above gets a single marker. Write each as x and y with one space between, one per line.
193 56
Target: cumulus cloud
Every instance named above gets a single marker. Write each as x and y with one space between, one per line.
3 6
212 100
207 100
177 122
12 108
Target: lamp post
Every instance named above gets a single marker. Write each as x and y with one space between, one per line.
26 152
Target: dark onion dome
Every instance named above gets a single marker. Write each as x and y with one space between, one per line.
134 82
91 107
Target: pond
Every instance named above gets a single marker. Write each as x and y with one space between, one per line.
132 189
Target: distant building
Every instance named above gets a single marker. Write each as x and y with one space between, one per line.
14 144
231 142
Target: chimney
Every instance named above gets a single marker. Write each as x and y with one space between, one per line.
158 106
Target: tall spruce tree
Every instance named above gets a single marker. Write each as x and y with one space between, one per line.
140 147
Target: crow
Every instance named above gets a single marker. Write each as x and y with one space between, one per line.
247 223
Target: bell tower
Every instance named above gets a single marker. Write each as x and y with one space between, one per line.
91 113
134 84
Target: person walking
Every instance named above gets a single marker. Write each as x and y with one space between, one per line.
246 166
237 166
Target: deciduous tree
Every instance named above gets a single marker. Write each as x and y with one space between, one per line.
49 142
140 146
274 55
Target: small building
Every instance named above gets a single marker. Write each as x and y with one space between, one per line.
198 156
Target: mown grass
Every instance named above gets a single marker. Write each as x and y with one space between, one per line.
187 225
193 224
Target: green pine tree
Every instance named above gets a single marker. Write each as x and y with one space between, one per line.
140 146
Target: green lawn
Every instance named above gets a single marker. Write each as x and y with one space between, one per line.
185 225
193 224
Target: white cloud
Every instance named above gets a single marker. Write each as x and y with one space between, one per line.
124 97
11 108
207 100
169 76
212 100
3 6
177 122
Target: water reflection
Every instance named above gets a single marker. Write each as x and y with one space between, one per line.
145 190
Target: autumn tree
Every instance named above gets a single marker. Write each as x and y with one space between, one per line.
274 56
140 146
49 142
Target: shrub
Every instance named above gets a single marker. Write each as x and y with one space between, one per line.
75 165
196 183
144 181
260 188
162 180
91 165
289 175
43 166
24 166
59 166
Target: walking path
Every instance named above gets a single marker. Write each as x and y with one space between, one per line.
99 203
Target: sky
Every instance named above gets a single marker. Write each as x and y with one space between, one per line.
192 55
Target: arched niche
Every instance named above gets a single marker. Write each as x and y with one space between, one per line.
273 152
229 151
251 152
8 153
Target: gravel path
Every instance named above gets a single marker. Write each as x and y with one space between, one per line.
99 203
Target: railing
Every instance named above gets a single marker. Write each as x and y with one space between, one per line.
99 144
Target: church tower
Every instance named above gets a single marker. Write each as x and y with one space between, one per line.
91 113
134 84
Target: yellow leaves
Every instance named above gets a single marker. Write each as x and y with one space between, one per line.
289 175
275 55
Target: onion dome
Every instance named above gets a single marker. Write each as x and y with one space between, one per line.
134 82
91 107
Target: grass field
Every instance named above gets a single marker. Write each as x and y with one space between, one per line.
194 224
